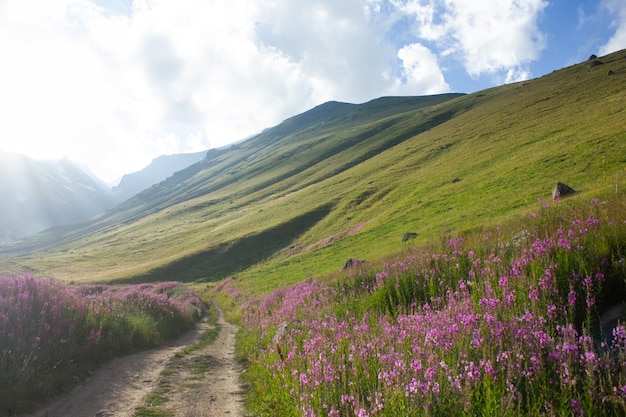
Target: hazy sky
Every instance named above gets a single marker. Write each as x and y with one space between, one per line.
115 83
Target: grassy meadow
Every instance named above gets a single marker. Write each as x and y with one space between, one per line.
52 333
347 181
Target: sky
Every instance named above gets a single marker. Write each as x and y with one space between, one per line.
112 84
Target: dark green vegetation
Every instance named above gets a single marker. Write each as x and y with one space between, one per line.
347 181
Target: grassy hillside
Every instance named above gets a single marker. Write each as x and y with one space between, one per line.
347 181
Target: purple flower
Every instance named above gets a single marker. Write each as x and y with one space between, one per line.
571 298
304 379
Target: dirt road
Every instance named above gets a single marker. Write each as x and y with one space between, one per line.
119 388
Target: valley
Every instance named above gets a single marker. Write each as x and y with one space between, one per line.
500 301
395 165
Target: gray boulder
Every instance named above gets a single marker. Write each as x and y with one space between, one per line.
408 236
594 63
562 190
350 263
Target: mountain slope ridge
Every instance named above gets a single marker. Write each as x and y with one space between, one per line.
352 186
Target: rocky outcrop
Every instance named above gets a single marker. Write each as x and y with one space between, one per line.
351 263
562 190
593 61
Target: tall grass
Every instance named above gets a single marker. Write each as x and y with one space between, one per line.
51 333
501 325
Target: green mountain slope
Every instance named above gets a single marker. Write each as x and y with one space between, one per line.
344 180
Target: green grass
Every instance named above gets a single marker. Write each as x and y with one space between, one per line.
150 412
208 336
343 182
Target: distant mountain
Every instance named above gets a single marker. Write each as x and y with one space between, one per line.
37 195
159 169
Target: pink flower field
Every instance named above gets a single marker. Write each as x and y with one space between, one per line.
494 326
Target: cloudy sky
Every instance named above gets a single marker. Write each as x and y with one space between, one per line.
115 83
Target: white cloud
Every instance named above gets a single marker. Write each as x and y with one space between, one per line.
47 82
116 83
421 70
488 36
116 90
617 11
337 45
516 74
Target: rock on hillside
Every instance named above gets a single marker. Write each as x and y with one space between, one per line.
37 195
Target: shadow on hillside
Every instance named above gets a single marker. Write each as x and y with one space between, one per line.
234 256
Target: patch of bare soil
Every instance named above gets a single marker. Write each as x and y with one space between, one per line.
121 387
205 382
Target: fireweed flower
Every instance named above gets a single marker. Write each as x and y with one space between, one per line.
620 391
571 298
510 324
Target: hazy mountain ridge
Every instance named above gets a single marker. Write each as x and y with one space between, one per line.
342 181
264 155
42 194
38 195
158 170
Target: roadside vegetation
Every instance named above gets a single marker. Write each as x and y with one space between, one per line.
53 333
522 319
